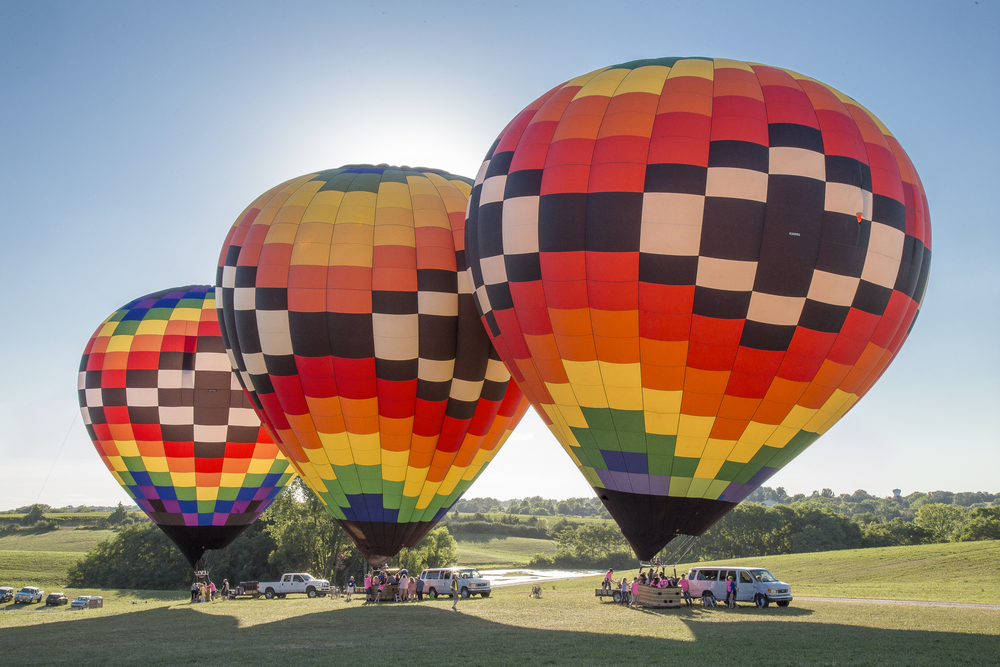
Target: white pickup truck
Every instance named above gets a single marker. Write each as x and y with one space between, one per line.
295 582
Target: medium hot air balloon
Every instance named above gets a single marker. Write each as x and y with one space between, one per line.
172 423
693 268
354 331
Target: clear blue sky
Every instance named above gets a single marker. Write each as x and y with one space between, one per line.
133 133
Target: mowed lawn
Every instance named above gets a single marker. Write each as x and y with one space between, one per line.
497 550
565 627
61 539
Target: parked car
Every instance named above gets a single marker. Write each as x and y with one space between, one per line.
81 602
55 599
294 582
437 581
711 582
28 594
6 594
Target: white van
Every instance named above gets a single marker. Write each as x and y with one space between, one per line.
437 581
711 581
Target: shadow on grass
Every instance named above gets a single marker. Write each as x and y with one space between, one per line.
405 634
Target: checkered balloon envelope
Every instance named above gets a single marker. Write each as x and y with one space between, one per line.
693 268
172 423
346 309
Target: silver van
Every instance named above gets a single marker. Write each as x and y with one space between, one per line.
711 582
437 581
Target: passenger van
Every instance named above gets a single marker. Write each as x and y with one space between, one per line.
711 581
437 581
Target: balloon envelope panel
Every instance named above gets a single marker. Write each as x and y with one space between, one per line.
356 335
172 423
693 268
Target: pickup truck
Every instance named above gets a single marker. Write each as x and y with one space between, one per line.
294 582
29 594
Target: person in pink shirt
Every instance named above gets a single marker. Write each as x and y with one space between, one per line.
412 591
635 593
368 588
684 589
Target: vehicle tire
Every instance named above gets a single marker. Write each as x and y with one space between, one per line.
465 593
617 596
311 592
269 594
766 602
783 603
485 595
432 594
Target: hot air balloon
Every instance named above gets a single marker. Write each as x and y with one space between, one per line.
355 333
169 418
693 268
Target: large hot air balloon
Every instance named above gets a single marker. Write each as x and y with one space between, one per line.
170 420
693 268
355 333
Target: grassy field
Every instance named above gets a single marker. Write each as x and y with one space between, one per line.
62 539
957 572
563 627
36 568
500 550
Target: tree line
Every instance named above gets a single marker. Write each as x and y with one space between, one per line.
295 534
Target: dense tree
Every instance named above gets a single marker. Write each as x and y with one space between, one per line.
940 519
35 514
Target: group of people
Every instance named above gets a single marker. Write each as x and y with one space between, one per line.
206 591
383 585
630 590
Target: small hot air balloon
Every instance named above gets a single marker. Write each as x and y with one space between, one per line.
172 423
693 268
353 329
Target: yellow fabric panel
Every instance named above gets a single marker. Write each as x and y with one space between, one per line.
679 486
694 425
647 79
603 84
358 207
394 195
120 343
757 433
323 207
206 492
690 446
744 451
562 394
661 423
691 67
182 478
127 447
782 436
151 328
732 64
718 449
583 79
304 193
665 402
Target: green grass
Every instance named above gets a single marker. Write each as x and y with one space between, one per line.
62 539
509 628
500 550
46 569
955 572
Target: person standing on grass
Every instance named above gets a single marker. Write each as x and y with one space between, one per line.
454 591
368 587
420 589
194 591
731 592
685 589
759 589
624 588
634 600
350 588
412 589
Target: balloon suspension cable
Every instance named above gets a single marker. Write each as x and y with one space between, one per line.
679 548
52 467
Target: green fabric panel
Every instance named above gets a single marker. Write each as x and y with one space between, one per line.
729 471
186 493
392 494
660 464
160 479
350 486
188 302
158 314
661 444
679 486
632 442
126 328
684 467
134 463
369 472
253 480
339 182
407 507
393 176
583 436
606 439
716 489
228 493
598 418
365 183
699 487
206 506
345 473
631 421
371 485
